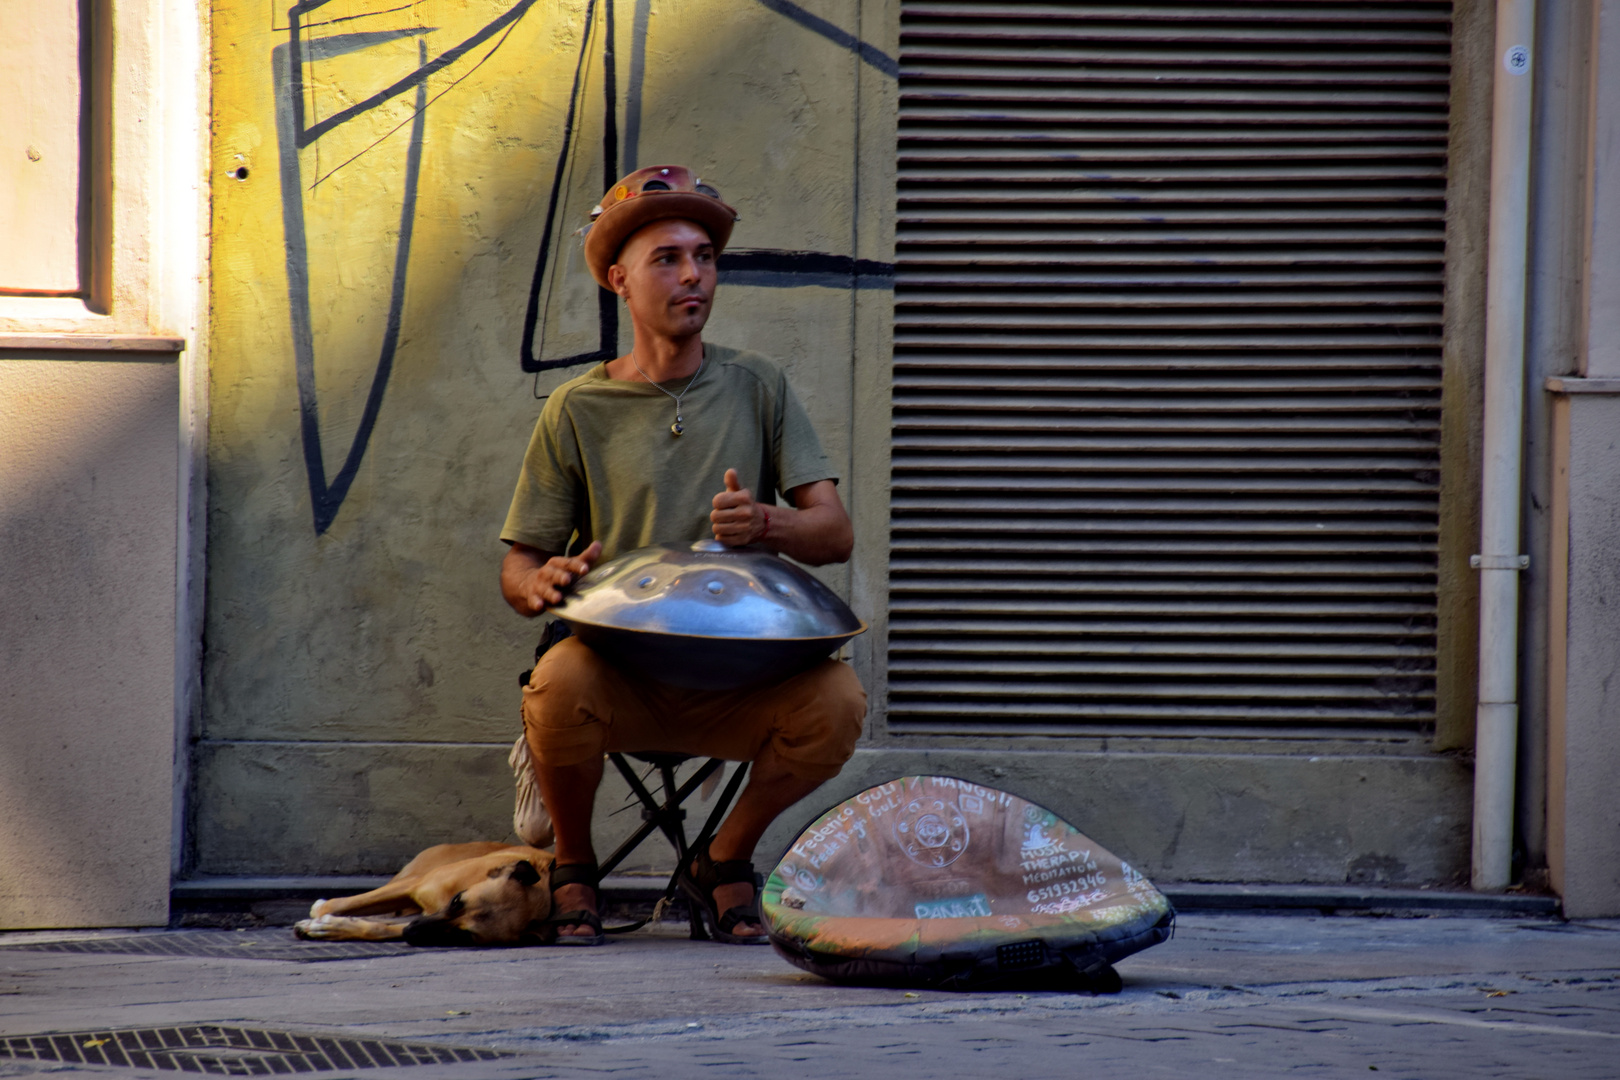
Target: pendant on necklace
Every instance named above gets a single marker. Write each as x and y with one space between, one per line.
676 428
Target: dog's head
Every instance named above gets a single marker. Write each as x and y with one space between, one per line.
508 907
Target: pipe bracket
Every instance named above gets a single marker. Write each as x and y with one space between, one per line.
1499 562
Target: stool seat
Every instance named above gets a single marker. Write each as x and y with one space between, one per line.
659 757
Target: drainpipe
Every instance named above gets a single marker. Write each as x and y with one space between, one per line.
1499 561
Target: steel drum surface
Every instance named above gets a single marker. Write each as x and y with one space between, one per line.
707 616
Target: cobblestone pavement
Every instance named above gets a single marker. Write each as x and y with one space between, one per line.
1231 995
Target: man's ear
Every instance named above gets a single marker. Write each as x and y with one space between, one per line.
616 278
524 873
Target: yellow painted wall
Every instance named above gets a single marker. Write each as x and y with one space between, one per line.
360 667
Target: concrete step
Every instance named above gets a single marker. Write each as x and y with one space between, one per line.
221 893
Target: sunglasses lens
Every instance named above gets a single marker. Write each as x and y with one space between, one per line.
705 189
655 185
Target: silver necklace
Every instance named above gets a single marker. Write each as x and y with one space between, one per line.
675 428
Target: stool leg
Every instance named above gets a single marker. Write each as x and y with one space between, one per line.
694 919
675 815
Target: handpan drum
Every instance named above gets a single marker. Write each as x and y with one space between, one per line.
706 616
938 881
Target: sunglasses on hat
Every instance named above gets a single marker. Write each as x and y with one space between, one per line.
651 181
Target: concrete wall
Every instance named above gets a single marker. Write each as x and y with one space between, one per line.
1198 810
87 592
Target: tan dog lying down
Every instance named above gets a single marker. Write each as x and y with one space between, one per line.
482 893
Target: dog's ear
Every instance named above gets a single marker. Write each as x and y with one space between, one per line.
524 873
538 932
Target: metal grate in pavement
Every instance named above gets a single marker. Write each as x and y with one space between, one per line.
221 944
231 1051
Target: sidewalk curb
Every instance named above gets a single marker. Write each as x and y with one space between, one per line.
1188 896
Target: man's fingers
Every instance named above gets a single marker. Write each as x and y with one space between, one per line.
557 574
733 481
726 500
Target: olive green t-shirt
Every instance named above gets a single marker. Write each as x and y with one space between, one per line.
603 461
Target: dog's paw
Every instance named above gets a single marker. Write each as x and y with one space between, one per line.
316 929
318 908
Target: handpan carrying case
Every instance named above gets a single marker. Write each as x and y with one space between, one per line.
931 880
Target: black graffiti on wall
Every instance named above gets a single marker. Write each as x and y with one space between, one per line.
296 130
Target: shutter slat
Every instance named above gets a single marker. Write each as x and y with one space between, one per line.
1161 33
927 470
910 649
1101 382
1203 363
1184 586
1323 524
1277 424
1036 319
1389 13
908 547
1326 105
1154 295
1047 485
1212 211
1154 632
914 574
1162 403
1208 163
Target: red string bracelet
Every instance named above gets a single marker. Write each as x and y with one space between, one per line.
766 531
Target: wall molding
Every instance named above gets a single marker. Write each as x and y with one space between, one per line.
161 345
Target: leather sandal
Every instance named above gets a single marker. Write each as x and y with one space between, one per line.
577 874
698 880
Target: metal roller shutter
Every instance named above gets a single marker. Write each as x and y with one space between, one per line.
1167 366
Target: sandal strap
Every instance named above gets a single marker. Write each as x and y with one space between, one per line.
742 913
578 918
576 874
709 871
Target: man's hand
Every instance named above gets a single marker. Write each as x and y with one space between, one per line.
532 581
736 518
815 530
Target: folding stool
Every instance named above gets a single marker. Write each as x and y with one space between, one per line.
662 813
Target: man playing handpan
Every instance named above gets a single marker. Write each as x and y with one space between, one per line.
671 442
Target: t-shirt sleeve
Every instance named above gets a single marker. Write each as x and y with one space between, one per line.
799 456
545 508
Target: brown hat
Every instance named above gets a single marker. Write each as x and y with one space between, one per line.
648 195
